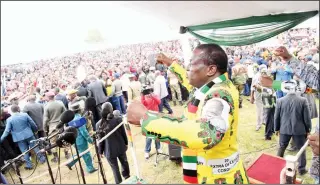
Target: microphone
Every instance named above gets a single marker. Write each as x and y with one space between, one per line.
66 139
66 117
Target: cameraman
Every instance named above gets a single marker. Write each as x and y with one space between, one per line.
151 102
115 146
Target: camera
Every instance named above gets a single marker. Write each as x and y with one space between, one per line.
147 90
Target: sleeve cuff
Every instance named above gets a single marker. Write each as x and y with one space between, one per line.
276 85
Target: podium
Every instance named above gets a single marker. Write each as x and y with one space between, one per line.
266 170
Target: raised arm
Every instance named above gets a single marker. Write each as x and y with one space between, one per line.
181 74
199 135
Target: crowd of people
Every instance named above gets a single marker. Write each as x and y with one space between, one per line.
34 95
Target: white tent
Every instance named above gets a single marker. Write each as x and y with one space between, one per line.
35 30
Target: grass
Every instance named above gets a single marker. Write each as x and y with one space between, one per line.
251 145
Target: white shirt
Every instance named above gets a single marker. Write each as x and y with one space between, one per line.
125 82
160 88
250 71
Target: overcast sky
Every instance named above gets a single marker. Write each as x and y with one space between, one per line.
35 30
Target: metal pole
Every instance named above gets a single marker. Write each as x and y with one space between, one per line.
81 169
49 168
99 160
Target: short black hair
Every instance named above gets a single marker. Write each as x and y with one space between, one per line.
215 55
15 108
38 89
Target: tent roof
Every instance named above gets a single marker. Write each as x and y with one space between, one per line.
188 13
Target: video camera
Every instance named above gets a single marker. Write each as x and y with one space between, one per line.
147 90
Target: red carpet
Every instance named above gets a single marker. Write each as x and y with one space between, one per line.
266 169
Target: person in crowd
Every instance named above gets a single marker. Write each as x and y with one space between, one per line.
284 70
51 118
250 74
115 146
151 76
35 111
82 89
175 88
134 89
292 120
97 91
38 94
210 121
116 95
239 77
7 146
22 129
151 102
125 81
256 96
61 97
315 163
82 141
160 89
142 77
74 98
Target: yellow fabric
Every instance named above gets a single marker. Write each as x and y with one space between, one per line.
109 90
187 131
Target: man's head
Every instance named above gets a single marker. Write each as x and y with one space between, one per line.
157 73
49 95
208 62
72 94
15 108
56 90
106 109
38 90
32 98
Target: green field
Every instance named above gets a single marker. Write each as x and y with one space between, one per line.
252 144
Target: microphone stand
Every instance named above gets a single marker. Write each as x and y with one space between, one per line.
49 167
81 169
99 159
13 161
16 168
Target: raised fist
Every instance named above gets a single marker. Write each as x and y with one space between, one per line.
135 112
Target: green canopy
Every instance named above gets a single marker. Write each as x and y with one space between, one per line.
246 31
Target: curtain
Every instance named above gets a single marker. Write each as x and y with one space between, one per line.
246 31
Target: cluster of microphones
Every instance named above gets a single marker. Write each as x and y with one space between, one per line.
66 131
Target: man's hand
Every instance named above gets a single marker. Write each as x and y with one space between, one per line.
266 81
136 111
101 155
314 143
252 100
163 59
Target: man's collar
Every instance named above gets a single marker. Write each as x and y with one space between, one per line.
216 80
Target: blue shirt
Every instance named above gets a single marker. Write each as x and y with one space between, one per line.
284 74
21 127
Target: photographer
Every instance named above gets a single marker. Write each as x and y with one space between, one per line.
151 102
115 146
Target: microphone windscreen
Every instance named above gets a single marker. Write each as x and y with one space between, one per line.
67 138
90 103
72 129
78 123
67 116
